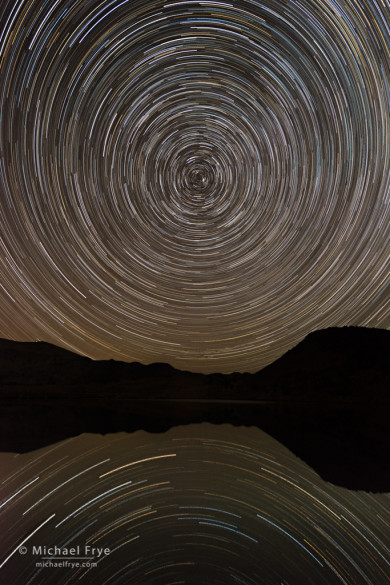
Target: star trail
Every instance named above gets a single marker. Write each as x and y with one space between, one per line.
196 182
195 505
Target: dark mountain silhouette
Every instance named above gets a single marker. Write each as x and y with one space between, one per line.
326 399
348 362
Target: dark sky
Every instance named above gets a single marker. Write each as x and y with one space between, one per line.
201 183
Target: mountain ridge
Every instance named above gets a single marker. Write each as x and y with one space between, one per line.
346 359
326 399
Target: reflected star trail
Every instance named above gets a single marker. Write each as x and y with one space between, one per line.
195 505
201 183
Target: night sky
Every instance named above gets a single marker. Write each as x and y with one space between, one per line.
196 182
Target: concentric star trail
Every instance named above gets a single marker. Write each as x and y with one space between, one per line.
195 505
196 182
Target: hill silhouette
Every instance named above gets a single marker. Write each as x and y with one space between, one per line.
326 399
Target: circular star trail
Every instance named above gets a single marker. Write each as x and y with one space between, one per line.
198 182
191 506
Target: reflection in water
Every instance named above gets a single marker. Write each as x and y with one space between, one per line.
200 504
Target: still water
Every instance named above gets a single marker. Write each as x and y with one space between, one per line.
199 504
